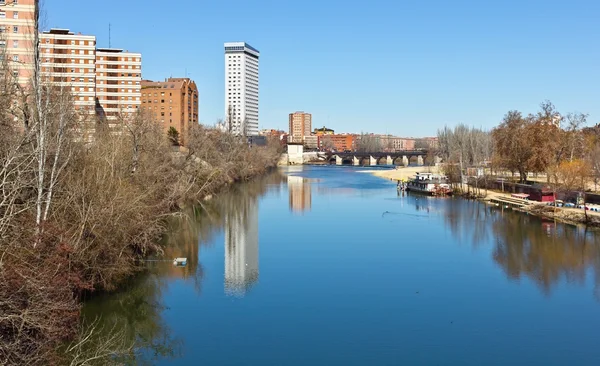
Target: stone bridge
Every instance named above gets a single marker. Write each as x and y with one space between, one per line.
378 158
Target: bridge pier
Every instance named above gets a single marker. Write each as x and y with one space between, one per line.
405 160
338 160
420 160
372 161
355 161
389 160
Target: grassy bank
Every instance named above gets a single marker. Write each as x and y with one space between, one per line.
101 208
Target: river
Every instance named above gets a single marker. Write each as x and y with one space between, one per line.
330 266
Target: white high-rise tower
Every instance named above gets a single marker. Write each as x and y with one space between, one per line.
241 88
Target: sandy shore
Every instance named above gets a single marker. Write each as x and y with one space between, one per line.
402 172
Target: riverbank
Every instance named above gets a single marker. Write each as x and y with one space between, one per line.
107 212
567 215
574 216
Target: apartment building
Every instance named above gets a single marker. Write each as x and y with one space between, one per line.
393 143
173 103
300 126
342 142
16 37
241 88
68 60
118 83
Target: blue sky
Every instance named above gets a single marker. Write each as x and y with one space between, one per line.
401 67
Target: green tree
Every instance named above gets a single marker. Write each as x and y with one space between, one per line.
173 136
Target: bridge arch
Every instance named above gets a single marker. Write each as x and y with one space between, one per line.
382 160
397 160
347 160
365 161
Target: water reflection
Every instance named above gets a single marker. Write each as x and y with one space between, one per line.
526 246
299 189
241 246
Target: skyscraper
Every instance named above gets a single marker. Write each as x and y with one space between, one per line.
241 88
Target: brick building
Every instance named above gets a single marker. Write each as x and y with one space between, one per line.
339 143
173 102
300 126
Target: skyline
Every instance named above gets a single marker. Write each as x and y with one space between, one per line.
402 69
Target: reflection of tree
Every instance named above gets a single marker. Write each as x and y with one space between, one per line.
525 247
544 251
136 311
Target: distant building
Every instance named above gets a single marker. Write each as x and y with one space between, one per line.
118 79
173 103
432 142
300 126
69 60
393 143
311 142
241 88
324 131
340 143
16 37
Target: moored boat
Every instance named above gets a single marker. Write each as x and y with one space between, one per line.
429 183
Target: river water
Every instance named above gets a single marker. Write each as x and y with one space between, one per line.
330 266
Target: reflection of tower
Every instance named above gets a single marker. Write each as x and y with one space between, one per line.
300 193
241 247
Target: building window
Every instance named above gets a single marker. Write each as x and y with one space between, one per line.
2 15
15 29
15 2
15 15
16 58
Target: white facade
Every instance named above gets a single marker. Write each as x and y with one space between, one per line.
241 88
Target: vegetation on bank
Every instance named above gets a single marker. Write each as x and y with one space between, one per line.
78 214
559 147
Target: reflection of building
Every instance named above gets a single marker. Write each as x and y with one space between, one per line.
241 247
300 193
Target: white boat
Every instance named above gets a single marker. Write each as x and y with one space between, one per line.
180 262
429 183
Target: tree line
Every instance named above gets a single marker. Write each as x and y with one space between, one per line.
561 147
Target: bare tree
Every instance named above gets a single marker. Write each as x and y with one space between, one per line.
367 142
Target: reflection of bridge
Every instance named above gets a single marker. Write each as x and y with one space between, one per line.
378 158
